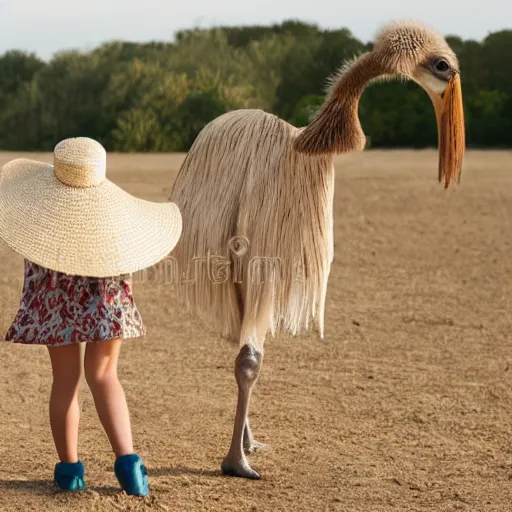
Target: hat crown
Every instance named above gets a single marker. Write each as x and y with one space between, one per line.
80 162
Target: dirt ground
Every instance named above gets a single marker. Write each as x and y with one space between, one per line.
406 405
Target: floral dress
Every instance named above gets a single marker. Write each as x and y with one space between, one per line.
57 309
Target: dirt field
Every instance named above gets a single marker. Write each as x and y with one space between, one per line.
405 406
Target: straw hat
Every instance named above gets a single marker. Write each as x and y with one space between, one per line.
70 218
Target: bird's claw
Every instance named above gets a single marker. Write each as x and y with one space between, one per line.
238 467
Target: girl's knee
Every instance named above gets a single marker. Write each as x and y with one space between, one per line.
100 375
101 363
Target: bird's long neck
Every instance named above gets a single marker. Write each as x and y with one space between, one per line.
336 127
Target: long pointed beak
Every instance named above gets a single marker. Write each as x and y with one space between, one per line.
450 129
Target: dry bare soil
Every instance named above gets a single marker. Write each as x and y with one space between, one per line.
406 405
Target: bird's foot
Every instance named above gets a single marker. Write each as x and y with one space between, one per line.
252 446
235 466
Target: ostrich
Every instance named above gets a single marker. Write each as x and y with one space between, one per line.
258 193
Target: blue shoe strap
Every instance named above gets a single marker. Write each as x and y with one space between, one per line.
70 468
129 458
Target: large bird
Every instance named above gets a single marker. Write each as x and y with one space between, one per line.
258 192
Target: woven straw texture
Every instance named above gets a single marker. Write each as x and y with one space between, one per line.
97 230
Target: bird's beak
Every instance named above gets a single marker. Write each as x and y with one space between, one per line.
451 131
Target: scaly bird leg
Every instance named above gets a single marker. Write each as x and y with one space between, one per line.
247 369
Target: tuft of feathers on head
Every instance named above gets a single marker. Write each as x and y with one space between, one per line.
399 45
405 36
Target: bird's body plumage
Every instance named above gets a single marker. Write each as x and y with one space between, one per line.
243 183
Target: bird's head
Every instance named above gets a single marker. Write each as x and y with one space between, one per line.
407 49
418 53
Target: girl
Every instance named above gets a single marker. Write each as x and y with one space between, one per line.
76 230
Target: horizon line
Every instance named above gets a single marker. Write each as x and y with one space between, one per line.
91 48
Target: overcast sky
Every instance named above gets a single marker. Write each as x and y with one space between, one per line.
46 26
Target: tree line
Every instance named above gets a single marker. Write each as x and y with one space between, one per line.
157 96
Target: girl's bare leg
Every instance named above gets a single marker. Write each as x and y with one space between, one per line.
64 406
101 373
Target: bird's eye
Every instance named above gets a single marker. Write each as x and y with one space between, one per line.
441 65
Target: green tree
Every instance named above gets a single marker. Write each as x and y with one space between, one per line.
196 112
157 96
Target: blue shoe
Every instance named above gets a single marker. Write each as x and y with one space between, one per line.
132 475
69 476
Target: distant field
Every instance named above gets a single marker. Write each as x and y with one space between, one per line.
405 406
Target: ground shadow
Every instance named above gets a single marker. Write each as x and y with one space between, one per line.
48 487
181 470
33 486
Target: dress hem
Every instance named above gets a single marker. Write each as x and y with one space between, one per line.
20 341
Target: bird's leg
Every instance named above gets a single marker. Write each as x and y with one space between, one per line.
247 369
250 444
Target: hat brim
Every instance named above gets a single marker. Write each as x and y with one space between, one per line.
100 231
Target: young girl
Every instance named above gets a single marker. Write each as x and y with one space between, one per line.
76 230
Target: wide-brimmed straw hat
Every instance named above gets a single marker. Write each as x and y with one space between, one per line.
70 218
